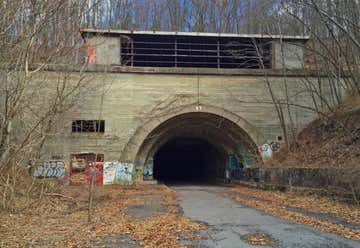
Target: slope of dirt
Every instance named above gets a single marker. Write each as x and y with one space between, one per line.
327 142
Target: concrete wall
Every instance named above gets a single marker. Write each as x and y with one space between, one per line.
105 50
288 55
126 101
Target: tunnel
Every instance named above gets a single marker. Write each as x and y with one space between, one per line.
188 159
193 147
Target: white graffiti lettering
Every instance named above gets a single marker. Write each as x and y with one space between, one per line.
50 169
265 151
109 172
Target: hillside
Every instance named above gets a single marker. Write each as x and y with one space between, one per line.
327 142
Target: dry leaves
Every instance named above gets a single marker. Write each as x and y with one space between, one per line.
276 204
262 239
312 203
59 222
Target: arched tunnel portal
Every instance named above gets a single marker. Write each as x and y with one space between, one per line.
194 147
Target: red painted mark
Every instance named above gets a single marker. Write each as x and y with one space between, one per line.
91 53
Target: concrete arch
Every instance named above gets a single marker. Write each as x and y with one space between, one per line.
142 141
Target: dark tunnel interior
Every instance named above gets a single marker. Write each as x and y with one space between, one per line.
187 159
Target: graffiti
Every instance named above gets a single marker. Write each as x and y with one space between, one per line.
124 173
50 169
248 159
233 161
78 164
91 52
65 179
117 172
109 172
274 146
94 170
265 151
148 170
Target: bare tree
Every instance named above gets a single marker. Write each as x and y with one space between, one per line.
35 35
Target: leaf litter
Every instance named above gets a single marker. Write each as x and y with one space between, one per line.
276 203
62 221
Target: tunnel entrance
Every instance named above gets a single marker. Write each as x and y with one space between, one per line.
195 147
188 159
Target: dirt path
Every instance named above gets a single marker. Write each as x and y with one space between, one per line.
234 225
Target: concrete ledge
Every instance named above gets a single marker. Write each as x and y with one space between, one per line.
148 182
184 71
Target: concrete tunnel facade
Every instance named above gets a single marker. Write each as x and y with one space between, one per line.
175 119
194 145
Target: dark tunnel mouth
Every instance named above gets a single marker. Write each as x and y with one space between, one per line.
184 160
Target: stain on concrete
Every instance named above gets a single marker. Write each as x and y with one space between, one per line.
114 241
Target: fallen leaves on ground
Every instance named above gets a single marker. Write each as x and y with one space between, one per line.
310 202
276 204
262 239
327 142
62 221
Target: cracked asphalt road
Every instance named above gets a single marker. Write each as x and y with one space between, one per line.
229 221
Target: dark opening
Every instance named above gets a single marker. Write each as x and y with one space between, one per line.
88 126
188 160
195 51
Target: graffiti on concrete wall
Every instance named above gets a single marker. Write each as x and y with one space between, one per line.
91 53
233 161
109 172
124 173
148 172
274 146
65 179
50 169
118 173
94 171
265 151
248 159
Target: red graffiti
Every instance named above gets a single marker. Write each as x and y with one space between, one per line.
91 53
94 170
